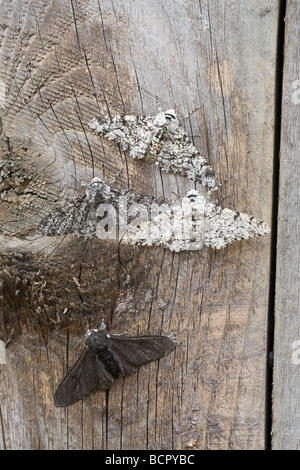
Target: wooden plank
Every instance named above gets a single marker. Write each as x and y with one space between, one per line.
286 392
60 66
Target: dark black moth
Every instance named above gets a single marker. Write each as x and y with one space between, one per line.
105 358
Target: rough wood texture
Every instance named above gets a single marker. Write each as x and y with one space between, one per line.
286 391
62 63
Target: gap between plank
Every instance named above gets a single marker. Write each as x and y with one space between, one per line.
275 194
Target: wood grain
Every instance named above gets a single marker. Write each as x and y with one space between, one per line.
63 63
286 389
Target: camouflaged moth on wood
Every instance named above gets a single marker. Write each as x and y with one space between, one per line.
82 216
159 139
195 223
143 220
107 357
79 215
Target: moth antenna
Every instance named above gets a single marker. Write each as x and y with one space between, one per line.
185 116
121 334
221 199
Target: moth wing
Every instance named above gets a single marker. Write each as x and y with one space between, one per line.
87 374
179 155
66 219
134 351
133 133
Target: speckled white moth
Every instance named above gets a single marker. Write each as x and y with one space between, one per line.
143 220
211 226
158 139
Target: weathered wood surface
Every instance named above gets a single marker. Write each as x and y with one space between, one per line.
286 388
61 64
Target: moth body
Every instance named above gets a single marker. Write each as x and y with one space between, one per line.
99 345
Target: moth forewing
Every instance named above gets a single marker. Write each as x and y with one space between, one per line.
77 383
142 349
78 216
125 367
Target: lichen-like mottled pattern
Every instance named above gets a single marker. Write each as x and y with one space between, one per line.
158 139
79 216
224 226
216 228
190 225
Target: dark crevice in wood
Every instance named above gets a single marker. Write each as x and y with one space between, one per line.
88 144
106 418
118 83
122 415
75 25
274 222
94 87
138 84
103 27
68 368
2 429
148 421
